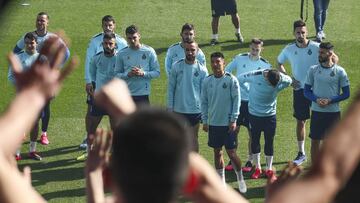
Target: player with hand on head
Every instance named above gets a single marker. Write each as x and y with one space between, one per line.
264 88
243 63
167 169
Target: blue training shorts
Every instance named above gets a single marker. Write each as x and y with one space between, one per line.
301 105
321 123
219 136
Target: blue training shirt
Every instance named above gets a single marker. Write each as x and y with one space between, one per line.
300 59
262 96
184 86
95 46
327 83
144 57
102 69
220 100
26 61
20 45
242 63
177 52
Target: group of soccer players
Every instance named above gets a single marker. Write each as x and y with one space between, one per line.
220 101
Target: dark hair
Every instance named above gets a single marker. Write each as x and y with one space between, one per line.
42 13
299 23
187 26
107 18
150 155
31 36
257 41
132 29
273 77
217 54
326 45
191 42
109 35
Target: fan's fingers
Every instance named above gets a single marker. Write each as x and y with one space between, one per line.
69 68
14 63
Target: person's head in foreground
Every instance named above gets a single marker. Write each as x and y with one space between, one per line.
150 157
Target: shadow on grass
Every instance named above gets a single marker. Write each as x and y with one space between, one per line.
57 175
254 192
230 45
65 193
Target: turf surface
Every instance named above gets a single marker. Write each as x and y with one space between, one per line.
58 177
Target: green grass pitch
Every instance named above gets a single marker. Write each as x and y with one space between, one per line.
58 177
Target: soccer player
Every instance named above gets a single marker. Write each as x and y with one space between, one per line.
184 88
301 54
36 85
220 103
137 64
176 51
222 8
27 57
95 46
42 34
243 63
264 88
322 87
166 169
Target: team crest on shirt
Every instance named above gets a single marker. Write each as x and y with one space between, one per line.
143 57
244 66
332 74
196 74
175 55
319 71
128 58
309 52
295 53
259 68
224 85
